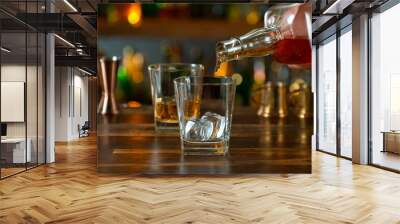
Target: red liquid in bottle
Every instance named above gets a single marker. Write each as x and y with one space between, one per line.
293 51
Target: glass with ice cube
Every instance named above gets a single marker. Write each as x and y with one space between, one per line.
206 132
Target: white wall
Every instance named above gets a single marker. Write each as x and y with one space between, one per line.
14 73
61 104
17 73
80 110
71 102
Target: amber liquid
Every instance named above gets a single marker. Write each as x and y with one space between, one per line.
166 110
192 109
253 52
293 51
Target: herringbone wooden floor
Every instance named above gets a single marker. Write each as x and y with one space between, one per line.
71 191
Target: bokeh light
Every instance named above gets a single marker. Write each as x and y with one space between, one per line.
253 17
112 14
259 72
134 104
134 14
234 13
237 78
133 64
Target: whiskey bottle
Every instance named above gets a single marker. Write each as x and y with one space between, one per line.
286 36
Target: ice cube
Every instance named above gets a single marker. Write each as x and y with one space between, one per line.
188 128
198 130
218 122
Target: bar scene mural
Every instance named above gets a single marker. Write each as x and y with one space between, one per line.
204 89
245 111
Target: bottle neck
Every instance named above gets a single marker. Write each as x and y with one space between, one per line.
256 43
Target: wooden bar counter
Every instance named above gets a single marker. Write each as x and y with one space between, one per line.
128 144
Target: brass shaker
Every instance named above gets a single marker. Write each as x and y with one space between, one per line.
301 99
267 101
305 110
282 107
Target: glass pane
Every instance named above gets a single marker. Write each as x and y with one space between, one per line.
41 98
14 153
22 81
385 84
327 96
31 97
32 87
314 90
346 94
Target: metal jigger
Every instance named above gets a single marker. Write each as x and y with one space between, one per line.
267 101
282 100
108 82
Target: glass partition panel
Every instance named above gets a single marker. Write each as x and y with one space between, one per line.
15 151
33 73
327 96
346 93
32 97
22 89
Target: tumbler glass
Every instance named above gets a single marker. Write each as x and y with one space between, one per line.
205 106
162 89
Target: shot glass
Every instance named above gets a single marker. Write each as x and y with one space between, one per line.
205 106
162 89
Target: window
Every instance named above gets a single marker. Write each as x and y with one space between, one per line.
327 96
335 108
385 89
346 92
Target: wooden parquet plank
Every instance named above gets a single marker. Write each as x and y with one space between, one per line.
71 191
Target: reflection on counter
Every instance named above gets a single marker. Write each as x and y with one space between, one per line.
128 143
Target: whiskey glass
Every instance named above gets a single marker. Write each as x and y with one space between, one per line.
162 89
205 106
